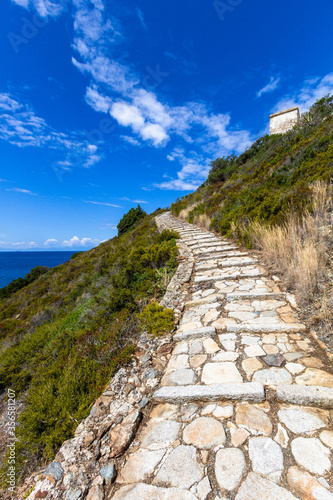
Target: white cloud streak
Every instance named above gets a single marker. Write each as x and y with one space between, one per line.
102 203
270 87
23 191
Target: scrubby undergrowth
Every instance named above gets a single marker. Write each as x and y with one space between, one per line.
65 334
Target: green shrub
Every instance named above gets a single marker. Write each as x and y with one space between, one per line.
129 220
157 320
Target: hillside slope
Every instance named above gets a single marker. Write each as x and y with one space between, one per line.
64 335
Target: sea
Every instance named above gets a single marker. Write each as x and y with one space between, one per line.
15 265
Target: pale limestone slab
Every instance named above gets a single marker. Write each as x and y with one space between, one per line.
313 376
266 457
178 362
159 434
179 377
306 486
306 395
311 454
225 356
253 419
272 376
140 465
203 488
225 411
254 350
141 491
229 468
204 433
281 436
198 360
294 368
210 346
196 347
220 373
257 487
327 438
180 469
302 419
251 365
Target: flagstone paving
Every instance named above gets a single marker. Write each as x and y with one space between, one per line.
245 407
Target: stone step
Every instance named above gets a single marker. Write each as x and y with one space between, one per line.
203 241
223 277
207 244
208 267
266 328
215 253
306 395
205 331
210 299
248 391
254 295
225 254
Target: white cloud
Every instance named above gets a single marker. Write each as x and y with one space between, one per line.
270 87
20 126
45 8
51 242
102 203
23 191
77 242
141 18
312 90
155 133
97 101
131 140
124 198
127 115
11 245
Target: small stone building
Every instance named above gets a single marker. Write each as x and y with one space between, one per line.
280 123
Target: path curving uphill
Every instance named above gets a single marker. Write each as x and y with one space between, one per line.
244 409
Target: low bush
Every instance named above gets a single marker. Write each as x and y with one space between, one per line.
157 320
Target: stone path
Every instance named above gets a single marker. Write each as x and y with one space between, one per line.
245 407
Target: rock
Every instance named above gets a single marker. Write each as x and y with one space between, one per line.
108 472
266 457
295 368
272 376
220 373
270 349
238 436
178 362
306 486
306 395
203 489
327 438
311 454
257 487
95 493
159 434
210 346
142 491
254 350
313 376
251 365
54 471
292 356
164 411
140 466
180 468
122 435
204 433
196 347
229 468
88 438
74 494
273 359
281 436
143 403
225 411
179 377
253 419
299 420
312 362
225 356
198 360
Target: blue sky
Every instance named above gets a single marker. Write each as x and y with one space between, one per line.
105 104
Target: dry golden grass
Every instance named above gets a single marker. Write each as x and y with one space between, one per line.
204 221
184 213
298 249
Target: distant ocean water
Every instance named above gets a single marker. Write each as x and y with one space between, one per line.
15 265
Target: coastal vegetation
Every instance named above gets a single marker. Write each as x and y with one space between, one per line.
66 333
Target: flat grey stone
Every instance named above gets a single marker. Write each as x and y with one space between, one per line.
257 487
54 470
203 488
274 360
291 356
181 468
108 472
252 295
266 328
184 376
140 465
300 419
142 491
266 457
196 347
272 376
204 433
311 454
306 395
159 434
248 391
229 468
220 373
205 331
